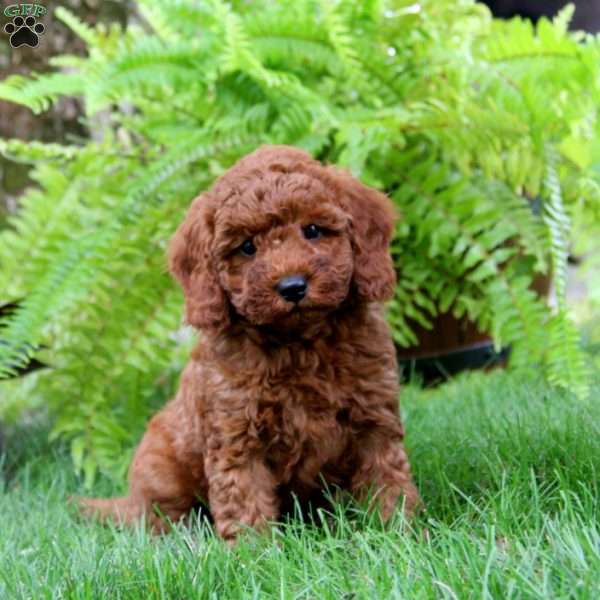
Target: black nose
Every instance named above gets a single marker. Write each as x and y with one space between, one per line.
292 288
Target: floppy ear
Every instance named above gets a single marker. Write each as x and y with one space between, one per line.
371 227
190 262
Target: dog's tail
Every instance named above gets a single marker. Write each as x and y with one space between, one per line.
121 511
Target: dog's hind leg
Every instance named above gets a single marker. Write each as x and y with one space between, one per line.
163 487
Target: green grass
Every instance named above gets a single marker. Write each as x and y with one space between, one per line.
508 469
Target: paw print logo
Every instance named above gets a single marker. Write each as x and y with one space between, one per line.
24 31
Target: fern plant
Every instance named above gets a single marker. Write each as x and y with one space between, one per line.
460 119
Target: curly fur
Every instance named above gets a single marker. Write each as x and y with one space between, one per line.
279 399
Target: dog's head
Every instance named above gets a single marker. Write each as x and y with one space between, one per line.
281 240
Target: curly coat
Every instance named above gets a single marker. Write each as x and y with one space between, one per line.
279 398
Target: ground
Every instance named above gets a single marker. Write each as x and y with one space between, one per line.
508 468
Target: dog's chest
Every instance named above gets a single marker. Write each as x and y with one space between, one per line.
302 423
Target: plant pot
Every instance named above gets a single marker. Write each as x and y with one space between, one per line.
453 345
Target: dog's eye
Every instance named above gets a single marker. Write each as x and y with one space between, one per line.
312 232
248 248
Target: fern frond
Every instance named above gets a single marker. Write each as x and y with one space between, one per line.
32 152
76 25
558 223
148 64
39 93
173 20
23 331
566 362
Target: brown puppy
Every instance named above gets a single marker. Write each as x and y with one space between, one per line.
293 385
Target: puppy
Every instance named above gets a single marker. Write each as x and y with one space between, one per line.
293 386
